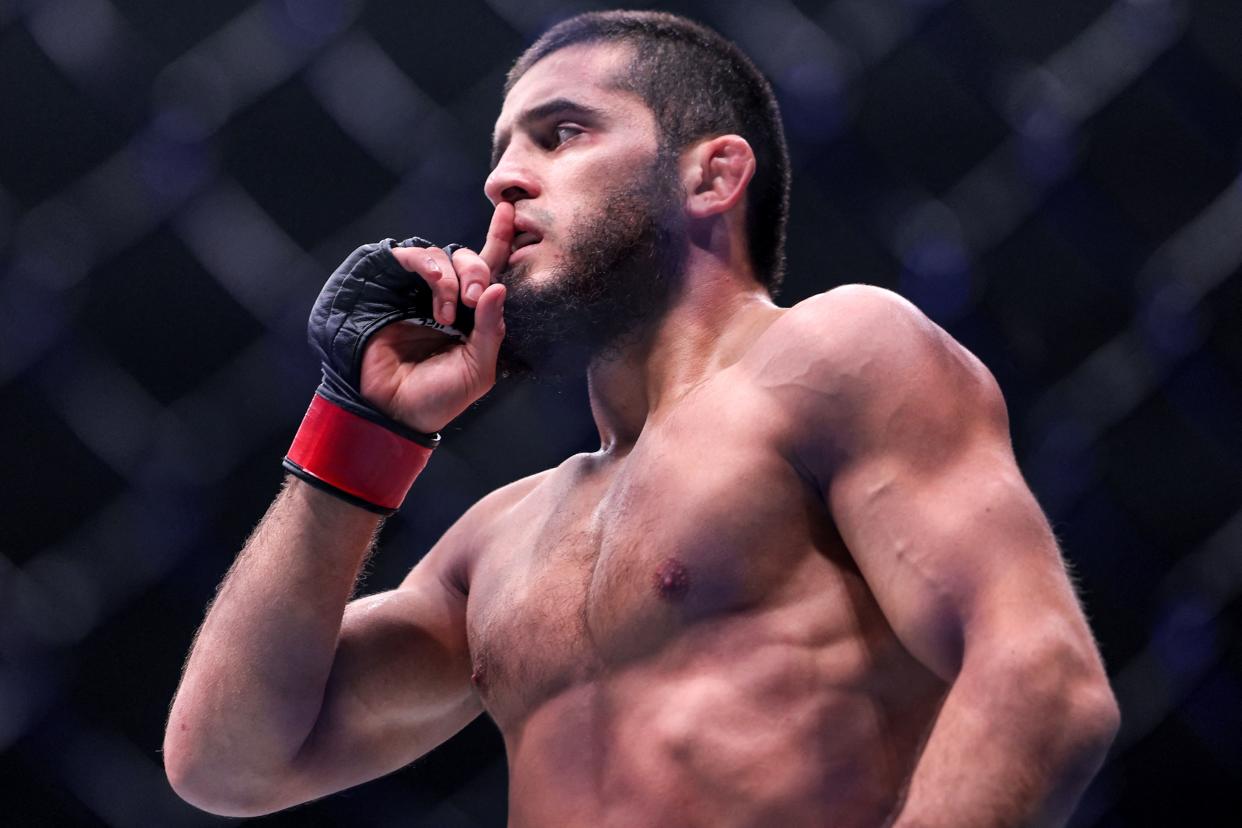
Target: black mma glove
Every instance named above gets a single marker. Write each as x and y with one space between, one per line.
345 445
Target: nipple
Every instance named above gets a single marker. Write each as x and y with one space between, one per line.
671 580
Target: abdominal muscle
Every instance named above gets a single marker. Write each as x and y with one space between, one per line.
732 724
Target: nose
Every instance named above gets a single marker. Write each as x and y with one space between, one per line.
511 180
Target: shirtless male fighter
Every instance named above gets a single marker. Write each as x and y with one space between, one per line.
801 583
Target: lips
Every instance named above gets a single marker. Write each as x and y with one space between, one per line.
525 239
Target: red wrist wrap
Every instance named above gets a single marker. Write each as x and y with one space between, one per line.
355 455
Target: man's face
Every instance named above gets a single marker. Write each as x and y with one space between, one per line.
599 236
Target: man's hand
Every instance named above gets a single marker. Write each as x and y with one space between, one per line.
422 377
395 370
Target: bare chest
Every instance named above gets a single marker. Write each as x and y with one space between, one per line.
601 567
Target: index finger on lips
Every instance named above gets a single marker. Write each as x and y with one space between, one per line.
434 266
496 249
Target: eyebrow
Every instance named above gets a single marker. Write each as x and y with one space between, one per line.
556 106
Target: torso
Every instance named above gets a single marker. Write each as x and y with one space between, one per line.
679 637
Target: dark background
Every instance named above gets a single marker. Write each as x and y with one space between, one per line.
1056 183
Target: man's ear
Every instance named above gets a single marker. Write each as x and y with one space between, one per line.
717 171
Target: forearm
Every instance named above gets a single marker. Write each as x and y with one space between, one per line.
1010 747
254 681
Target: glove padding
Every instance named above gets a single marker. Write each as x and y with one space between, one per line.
369 290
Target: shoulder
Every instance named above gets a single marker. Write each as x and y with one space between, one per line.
848 323
491 509
860 367
846 340
456 553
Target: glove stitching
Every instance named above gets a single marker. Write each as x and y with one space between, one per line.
361 273
333 310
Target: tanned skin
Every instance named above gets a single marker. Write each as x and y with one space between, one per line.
802 581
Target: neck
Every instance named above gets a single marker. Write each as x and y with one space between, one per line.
717 313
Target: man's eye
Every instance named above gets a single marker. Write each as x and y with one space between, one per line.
564 132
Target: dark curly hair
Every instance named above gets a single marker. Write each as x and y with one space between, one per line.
698 85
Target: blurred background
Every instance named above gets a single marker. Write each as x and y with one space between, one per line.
1056 182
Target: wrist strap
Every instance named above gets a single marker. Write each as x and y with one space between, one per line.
353 458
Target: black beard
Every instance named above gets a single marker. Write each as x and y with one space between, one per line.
620 271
